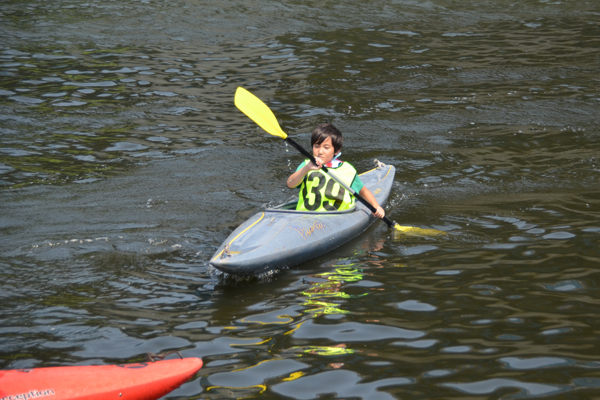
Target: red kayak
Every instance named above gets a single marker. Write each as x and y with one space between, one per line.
143 381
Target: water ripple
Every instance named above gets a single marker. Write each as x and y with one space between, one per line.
341 383
257 374
526 389
352 332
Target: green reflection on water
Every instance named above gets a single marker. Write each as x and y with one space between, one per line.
321 301
321 295
337 350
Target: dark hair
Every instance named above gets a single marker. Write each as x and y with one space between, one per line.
323 131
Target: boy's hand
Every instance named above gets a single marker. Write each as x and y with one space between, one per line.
318 165
379 212
296 178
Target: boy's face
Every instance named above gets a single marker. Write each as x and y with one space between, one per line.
324 150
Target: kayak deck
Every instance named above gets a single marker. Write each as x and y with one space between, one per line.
281 237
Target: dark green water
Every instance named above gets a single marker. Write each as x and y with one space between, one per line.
124 164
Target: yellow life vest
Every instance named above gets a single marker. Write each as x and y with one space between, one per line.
320 192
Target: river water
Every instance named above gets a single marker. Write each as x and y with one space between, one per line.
124 164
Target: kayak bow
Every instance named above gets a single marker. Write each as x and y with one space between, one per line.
141 381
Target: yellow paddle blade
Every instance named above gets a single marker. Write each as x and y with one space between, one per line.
258 112
415 231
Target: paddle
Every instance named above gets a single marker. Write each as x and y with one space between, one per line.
260 113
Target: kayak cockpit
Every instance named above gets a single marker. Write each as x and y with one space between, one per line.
290 207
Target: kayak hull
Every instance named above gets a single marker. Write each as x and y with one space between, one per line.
140 381
282 237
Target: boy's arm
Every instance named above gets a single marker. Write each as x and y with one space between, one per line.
368 196
296 178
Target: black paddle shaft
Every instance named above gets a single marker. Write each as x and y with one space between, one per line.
305 153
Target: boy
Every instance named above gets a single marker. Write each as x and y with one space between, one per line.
317 190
